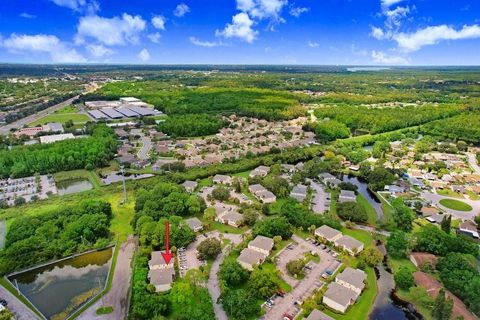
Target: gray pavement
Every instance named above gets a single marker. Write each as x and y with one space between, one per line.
5 130
320 197
145 149
472 161
3 233
117 296
21 311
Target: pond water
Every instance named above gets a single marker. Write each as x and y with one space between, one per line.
387 305
58 289
73 186
364 191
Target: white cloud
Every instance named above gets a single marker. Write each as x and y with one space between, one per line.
99 51
383 58
389 3
395 17
144 55
43 43
378 33
155 37
298 11
110 31
207 44
159 22
241 27
181 10
433 35
262 9
312 44
27 15
71 4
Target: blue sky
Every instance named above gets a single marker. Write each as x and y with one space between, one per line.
322 32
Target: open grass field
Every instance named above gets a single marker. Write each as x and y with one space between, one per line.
455 205
67 109
372 215
450 193
62 118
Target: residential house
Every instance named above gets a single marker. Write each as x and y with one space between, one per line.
262 244
195 224
347 196
266 196
299 192
232 218
353 279
329 180
435 218
288 168
349 244
428 211
327 233
318 315
160 274
421 258
338 297
222 179
189 185
468 228
260 171
249 258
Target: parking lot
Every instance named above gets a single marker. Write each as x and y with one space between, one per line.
187 257
290 302
321 198
28 188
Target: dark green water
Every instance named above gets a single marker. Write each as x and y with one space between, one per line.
57 290
73 186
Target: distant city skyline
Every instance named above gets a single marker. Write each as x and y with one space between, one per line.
320 32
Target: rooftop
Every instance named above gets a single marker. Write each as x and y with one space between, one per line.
327 232
250 256
355 277
340 294
348 242
262 242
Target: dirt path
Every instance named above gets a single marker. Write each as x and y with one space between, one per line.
117 297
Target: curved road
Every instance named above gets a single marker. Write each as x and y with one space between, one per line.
213 286
435 200
472 161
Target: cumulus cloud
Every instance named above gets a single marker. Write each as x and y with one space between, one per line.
389 3
395 17
298 11
144 55
110 31
181 10
99 51
207 44
434 34
378 33
155 37
27 15
90 6
241 28
42 43
313 44
383 58
262 9
159 22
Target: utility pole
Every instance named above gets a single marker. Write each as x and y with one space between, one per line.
122 170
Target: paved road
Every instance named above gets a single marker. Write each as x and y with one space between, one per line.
146 147
5 130
214 288
472 161
435 200
117 297
3 232
319 198
16 306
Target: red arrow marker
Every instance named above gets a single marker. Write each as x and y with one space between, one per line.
167 256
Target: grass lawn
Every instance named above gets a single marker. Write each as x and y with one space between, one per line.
104 310
226 228
277 205
283 285
473 196
450 193
243 174
333 202
207 182
361 235
372 215
67 109
361 309
122 215
62 118
455 205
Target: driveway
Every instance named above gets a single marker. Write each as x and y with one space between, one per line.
117 296
472 161
320 197
214 288
464 215
146 147
306 287
16 306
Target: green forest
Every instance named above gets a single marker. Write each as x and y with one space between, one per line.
191 125
34 239
83 153
464 127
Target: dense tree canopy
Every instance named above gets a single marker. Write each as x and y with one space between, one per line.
191 125
34 239
329 130
352 211
82 153
432 239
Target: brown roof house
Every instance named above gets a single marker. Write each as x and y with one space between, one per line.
161 274
420 259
